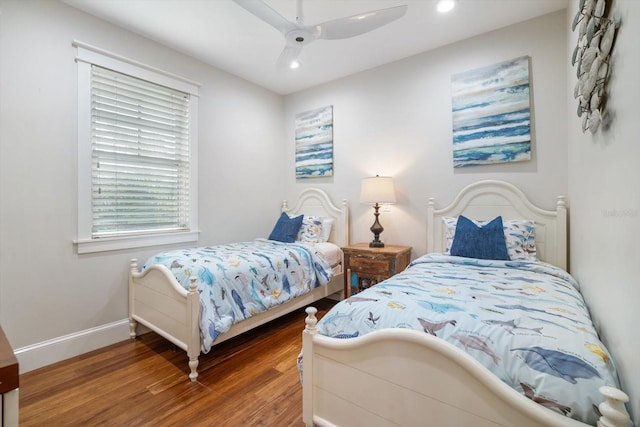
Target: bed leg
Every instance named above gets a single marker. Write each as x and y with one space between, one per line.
132 328
612 409
133 268
193 327
193 365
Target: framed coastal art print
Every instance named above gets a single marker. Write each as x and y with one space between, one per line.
492 114
314 143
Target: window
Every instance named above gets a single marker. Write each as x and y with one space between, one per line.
136 153
139 156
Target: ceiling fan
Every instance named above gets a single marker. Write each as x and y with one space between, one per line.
297 34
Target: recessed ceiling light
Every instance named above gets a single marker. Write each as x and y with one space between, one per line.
294 64
444 6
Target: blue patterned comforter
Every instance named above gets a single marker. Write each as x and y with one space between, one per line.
239 280
525 321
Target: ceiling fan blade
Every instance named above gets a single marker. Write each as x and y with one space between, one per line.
263 11
355 25
288 56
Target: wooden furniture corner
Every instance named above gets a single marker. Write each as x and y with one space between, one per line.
9 382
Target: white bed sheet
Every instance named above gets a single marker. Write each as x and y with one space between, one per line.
332 253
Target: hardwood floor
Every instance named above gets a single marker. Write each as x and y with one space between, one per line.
250 380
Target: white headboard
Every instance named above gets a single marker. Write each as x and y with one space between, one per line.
488 199
314 201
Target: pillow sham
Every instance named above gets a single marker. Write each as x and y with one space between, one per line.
286 228
310 229
519 237
482 242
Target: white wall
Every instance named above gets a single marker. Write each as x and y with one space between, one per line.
605 202
49 295
396 120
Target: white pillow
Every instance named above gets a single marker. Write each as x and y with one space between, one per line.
519 236
327 225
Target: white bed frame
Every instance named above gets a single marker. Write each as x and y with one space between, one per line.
486 200
400 377
159 302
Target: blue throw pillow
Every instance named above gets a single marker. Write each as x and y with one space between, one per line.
485 242
286 229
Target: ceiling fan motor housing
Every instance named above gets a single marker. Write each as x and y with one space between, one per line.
299 37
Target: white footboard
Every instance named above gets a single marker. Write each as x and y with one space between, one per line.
401 377
159 302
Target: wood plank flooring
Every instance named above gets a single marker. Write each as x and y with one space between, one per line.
250 380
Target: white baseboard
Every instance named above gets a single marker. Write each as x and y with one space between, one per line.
58 349
55 350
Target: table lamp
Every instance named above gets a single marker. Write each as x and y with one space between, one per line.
376 190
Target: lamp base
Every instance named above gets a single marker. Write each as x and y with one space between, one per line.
376 229
376 244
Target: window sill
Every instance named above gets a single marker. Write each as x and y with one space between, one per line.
87 246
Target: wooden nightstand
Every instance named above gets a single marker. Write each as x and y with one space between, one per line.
367 266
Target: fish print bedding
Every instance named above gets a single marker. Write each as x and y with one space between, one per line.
525 321
239 280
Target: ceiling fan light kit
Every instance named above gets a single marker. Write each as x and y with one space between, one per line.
445 6
297 34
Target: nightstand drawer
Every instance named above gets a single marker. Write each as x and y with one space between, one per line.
371 266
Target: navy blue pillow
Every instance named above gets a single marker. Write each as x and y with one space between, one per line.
486 242
286 229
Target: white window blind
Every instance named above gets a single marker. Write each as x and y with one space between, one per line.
140 156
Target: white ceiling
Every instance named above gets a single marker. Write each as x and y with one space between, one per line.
222 34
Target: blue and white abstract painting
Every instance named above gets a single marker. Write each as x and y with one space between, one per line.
491 114
314 143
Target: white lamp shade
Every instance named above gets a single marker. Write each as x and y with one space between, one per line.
378 189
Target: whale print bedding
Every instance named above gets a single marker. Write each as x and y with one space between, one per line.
239 280
525 321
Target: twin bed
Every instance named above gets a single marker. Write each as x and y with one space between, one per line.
457 340
267 280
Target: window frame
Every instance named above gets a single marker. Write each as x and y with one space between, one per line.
87 56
